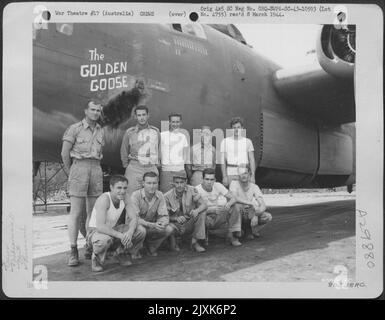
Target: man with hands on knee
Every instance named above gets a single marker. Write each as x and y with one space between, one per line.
106 234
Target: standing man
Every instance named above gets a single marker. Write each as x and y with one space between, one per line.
81 155
140 150
202 156
174 152
250 200
150 206
187 212
236 150
104 233
221 207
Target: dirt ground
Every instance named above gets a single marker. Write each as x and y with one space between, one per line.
310 234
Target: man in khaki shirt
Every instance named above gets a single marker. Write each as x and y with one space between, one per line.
150 206
187 212
81 155
139 150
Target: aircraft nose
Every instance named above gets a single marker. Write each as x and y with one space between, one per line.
119 108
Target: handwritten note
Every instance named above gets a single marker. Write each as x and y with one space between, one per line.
366 239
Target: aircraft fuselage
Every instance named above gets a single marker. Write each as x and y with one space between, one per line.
206 76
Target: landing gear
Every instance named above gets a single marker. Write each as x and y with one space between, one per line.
43 183
50 179
349 188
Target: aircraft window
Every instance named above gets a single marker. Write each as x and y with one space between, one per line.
65 28
188 28
231 31
199 32
177 27
191 29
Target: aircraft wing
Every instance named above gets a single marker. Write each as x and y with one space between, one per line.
324 91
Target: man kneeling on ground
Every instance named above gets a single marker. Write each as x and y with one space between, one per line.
150 206
221 207
104 233
250 199
187 212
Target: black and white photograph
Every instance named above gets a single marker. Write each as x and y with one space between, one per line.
182 152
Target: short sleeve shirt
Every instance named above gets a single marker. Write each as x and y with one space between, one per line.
86 142
172 146
152 211
253 191
236 151
214 198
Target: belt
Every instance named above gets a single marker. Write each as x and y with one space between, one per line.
86 159
148 165
200 167
232 165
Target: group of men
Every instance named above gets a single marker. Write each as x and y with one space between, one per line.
168 190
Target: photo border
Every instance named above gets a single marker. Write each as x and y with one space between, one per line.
17 131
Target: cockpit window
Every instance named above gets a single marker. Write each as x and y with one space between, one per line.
177 27
191 29
65 28
230 30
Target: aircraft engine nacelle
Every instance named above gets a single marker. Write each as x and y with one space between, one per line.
336 50
304 87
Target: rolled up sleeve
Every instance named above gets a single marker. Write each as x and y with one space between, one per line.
196 197
135 208
69 135
134 203
162 212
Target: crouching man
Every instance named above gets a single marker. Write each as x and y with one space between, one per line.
221 207
150 206
187 212
250 199
104 232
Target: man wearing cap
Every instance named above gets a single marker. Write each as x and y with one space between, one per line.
187 212
139 150
81 155
250 199
202 157
236 150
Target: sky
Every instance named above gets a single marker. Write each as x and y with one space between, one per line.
285 44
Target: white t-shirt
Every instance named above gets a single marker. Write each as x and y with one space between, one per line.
215 198
113 214
236 151
172 145
252 193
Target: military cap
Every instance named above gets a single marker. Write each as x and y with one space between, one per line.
181 175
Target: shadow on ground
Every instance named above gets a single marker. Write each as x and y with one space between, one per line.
293 229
